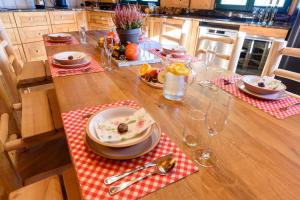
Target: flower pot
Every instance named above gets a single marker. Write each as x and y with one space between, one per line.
131 35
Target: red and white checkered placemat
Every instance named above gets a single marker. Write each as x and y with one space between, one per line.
92 169
271 107
187 57
90 68
48 43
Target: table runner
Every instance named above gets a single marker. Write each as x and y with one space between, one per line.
270 107
73 41
158 53
92 169
90 68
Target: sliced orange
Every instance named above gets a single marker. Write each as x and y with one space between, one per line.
161 76
181 71
144 68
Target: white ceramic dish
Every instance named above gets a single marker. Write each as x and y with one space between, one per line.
87 60
128 152
173 49
59 36
275 96
251 83
108 114
69 57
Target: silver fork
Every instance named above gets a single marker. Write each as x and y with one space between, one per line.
289 106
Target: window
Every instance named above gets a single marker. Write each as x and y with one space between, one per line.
247 5
140 1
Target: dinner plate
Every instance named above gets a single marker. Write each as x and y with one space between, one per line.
87 60
130 152
173 49
275 96
152 84
111 113
250 82
59 37
69 57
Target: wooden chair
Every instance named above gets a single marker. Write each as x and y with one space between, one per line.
278 49
167 38
31 73
230 54
40 116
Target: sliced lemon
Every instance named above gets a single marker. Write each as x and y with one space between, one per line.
181 71
161 76
144 69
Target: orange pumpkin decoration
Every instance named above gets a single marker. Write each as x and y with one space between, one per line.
132 51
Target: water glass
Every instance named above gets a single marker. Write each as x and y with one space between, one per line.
109 48
209 56
195 127
82 32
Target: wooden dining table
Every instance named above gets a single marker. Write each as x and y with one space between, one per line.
259 154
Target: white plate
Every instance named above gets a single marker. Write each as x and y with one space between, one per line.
63 57
111 113
128 152
275 96
59 36
87 60
173 48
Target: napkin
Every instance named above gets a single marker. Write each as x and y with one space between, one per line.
107 131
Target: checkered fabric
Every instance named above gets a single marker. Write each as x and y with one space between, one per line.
271 107
48 43
158 53
55 71
92 169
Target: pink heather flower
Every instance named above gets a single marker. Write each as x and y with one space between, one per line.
128 17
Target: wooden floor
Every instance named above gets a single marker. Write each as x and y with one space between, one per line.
31 164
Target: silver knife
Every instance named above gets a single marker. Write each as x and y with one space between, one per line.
115 178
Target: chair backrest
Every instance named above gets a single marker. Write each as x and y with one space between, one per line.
230 54
8 78
278 49
167 35
3 130
9 49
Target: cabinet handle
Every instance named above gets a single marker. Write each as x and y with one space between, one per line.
36 51
31 19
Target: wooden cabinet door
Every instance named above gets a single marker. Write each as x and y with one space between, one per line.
58 28
33 34
81 19
155 27
203 5
176 3
35 51
7 19
13 36
18 49
62 17
25 19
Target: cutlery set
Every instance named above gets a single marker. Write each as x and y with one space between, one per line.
162 165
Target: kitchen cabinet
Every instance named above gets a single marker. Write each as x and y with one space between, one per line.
35 51
13 36
203 5
99 20
62 17
30 19
7 19
155 27
19 52
33 34
58 28
175 3
81 18
264 31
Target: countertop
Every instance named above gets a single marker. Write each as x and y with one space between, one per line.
230 21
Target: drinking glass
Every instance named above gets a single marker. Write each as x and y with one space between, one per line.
216 120
82 32
196 126
109 48
209 56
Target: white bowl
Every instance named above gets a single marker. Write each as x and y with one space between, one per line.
271 85
69 57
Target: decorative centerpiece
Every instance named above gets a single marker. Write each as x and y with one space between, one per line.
128 20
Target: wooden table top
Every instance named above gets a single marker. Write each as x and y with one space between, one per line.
260 154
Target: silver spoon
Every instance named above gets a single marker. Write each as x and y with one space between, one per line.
162 169
287 107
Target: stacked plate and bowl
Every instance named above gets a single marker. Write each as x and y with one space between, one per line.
266 88
71 59
134 147
59 37
174 51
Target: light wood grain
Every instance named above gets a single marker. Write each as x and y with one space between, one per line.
36 115
47 189
62 17
55 111
35 51
203 5
24 19
259 154
33 73
71 184
264 31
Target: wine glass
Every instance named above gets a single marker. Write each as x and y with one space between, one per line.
216 119
209 56
109 48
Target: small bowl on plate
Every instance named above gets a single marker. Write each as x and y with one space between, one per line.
69 57
262 85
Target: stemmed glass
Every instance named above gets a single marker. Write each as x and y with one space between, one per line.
109 48
216 119
209 56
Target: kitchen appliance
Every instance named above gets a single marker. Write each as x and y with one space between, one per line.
61 4
39 4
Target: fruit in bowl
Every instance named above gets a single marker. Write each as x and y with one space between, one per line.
150 74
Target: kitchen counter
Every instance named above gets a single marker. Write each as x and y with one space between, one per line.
230 21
